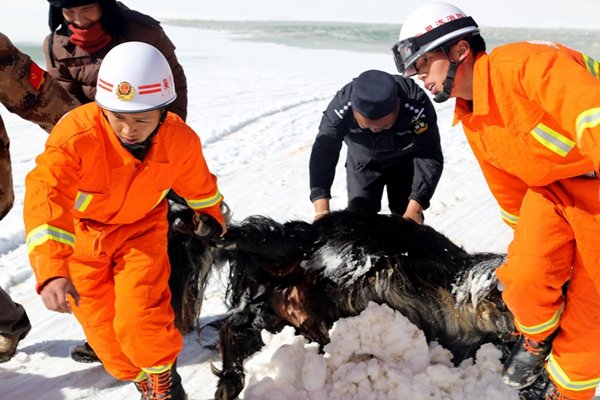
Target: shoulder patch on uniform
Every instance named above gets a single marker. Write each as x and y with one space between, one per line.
341 111
37 76
418 120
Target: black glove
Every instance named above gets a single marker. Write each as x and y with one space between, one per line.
206 227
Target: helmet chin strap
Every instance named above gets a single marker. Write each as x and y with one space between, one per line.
444 95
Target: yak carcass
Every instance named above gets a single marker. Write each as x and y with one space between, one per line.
310 275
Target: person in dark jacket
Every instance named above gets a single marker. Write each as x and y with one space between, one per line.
28 91
83 31
390 128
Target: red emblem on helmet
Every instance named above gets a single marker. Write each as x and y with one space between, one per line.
125 91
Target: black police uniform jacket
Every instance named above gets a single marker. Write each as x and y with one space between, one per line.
414 136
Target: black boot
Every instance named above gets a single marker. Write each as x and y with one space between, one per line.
526 361
166 385
8 345
551 392
84 353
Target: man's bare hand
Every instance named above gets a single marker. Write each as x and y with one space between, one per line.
321 208
414 211
54 294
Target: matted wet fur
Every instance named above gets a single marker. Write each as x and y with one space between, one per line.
191 260
310 275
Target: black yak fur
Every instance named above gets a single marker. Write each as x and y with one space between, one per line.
309 275
191 260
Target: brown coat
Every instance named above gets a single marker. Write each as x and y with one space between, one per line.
26 90
77 70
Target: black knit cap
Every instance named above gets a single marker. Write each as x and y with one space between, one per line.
110 11
70 3
374 94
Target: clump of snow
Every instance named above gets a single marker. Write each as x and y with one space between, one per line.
477 283
341 263
378 354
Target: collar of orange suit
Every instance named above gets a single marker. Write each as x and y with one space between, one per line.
480 104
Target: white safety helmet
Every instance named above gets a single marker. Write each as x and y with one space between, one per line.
428 28
134 77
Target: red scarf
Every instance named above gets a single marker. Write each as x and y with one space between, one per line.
90 39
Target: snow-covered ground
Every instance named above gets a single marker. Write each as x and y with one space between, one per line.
256 107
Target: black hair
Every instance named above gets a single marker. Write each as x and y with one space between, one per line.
475 41
477 44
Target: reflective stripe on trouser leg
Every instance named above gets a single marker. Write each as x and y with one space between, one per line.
538 265
574 365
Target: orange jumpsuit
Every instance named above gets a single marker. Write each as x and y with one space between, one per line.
534 126
97 215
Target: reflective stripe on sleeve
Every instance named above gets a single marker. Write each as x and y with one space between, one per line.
162 196
587 119
591 65
508 217
45 232
198 204
82 201
552 140
559 376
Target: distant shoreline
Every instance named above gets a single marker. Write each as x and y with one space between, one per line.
374 37
353 36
